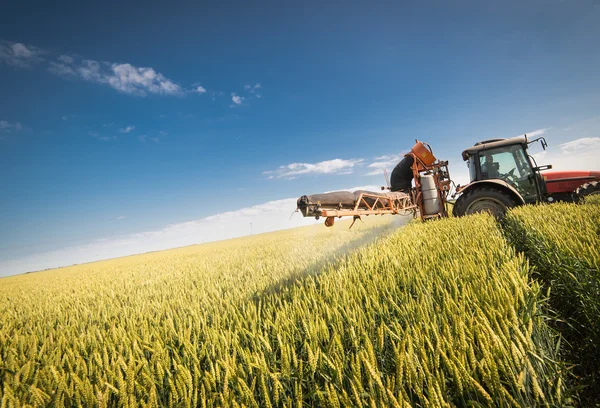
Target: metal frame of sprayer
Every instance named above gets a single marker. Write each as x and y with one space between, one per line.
428 196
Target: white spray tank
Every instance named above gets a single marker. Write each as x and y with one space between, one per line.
431 201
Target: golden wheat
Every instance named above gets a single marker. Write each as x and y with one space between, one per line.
434 314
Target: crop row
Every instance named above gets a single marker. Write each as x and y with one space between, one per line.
562 242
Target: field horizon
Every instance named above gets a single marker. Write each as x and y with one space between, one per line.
398 220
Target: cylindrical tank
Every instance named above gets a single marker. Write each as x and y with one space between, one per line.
423 154
431 202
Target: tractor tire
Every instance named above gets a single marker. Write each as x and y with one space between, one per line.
483 199
588 189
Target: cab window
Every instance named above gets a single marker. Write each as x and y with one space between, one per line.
510 164
472 170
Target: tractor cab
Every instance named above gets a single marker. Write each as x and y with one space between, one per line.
506 161
502 176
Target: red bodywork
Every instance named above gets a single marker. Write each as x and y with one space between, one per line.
567 181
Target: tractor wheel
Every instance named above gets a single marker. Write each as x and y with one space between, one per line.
588 189
483 199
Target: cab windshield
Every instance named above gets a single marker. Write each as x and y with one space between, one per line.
509 163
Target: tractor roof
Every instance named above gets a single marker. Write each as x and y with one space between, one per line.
492 144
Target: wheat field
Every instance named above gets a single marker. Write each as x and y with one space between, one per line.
434 314
562 242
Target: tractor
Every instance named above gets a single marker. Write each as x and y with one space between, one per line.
504 175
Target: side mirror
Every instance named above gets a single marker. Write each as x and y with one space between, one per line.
541 139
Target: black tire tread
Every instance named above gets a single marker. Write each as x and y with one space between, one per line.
461 205
593 187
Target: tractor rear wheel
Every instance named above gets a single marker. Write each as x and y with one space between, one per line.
483 199
588 189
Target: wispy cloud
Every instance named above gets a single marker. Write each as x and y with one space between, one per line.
535 133
130 79
97 136
335 166
125 78
142 138
580 144
20 55
66 59
120 217
127 129
8 127
121 76
252 88
236 98
383 163
577 154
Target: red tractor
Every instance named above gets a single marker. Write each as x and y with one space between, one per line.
503 175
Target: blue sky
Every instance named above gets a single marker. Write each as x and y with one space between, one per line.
119 120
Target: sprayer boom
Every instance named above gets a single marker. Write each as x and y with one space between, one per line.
428 196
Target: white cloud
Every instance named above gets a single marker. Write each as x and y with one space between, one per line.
66 59
382 163
162 133
155 139
369 187
127 129
97 136
580 144
124 78
237 99
335 166
269 216
252 89
90 71
19 55
577 154
138 81
61 69
120 217
142 138
535 133
8 127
